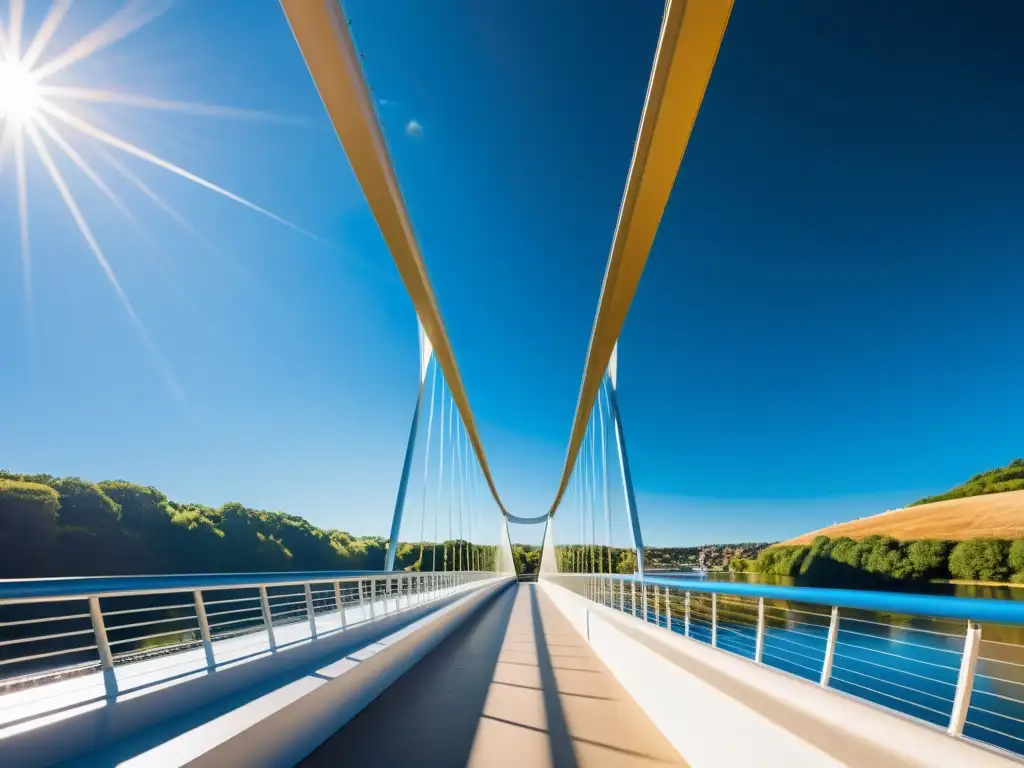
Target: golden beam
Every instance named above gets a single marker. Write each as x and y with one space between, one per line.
691 33
323 36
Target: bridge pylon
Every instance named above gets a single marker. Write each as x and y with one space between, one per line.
426 351
627 476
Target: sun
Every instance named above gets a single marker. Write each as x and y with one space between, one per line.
20 95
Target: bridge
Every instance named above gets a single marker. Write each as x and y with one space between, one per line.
599 662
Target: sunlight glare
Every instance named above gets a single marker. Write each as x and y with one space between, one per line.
29 98
20 97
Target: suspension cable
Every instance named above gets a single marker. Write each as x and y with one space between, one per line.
426 459
440 472
601 417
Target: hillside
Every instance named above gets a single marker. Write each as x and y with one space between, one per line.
992 514
998 480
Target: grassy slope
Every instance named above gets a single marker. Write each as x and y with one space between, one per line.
995 514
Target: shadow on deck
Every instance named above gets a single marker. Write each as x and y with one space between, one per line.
518 686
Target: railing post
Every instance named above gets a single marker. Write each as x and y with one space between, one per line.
632 597
622 596
373 597
310 614
759 645
408 589
686 615
204 627
830 647
965 680
268 618
668 611
643 600
339 604
714 619
657 608
99 631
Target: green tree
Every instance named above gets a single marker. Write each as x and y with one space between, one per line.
141 505
738 564
928 558
1015 559
626 561
983 559
28 527
84 504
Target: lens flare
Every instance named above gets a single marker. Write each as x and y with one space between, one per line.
29 98
20 97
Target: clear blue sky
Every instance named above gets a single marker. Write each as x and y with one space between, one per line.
830 322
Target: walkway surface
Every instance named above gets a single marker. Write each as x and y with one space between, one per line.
517 686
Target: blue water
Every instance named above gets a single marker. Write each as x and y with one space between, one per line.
908 664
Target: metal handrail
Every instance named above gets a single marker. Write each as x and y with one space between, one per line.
369 594
896 676
14 591
934 606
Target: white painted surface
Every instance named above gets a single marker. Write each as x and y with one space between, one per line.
40 705
244 690
720 710
282 727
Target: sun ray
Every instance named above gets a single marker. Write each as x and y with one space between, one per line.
173 212
83 227
101 96
17 17
44 34
131 149
181 296
26 253
157 200
83 166
6 141
129 18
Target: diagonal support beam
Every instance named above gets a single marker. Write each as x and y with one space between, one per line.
627 476
403 484
691 34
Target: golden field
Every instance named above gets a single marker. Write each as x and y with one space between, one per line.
996 514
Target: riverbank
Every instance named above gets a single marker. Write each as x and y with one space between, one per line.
970 583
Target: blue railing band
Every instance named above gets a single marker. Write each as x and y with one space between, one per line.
43 590
936 606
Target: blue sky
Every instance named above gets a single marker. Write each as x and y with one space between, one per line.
829 324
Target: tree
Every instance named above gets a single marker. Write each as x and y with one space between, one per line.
1015 558
626 561
28 526
983 559
928 558
141 505
738 564
84 504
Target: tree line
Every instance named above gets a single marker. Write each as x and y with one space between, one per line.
998 480
66 526
842 560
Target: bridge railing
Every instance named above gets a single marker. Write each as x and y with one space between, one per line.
52 629
957 663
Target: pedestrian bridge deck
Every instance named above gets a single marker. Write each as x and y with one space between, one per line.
518 686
